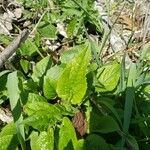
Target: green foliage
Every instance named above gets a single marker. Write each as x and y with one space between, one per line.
67 138
49 114
43 141
50 81
72 83
95 142
41 68
107 77
68 98
14 98
28 48
8 137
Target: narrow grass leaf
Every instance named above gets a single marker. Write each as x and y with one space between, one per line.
129 99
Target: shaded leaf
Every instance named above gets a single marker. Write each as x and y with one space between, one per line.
95 142
102 124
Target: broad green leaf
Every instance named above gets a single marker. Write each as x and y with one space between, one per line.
70 54
112 109
102 124
41 120
33 140
107 77
25 65
32 97
32 107
71 28
48 31
45 141
9 129
8 142
72 84
95 142
41 68
28 48
8 137
80 144
50 81
37 111
67 136
14 98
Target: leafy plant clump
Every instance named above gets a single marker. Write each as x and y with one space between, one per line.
68 99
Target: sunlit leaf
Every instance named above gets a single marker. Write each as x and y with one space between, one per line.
45 141
72 83
67 136
50 81
107 77
41 68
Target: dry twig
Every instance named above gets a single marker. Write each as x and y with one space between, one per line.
10 49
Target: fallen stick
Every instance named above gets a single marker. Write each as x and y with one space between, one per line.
10 49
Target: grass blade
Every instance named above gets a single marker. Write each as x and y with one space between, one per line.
129 99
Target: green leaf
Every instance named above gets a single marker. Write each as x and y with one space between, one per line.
37 111
50 81
32 107
80 144
8 142
14 97
72 84
129 99
9 129
45 141
102 124
25 65
41 68
8 137
67 136
132 142
48 31
70 54
28 48
32 97
95 142
112 109
3 89
71 28
107 77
